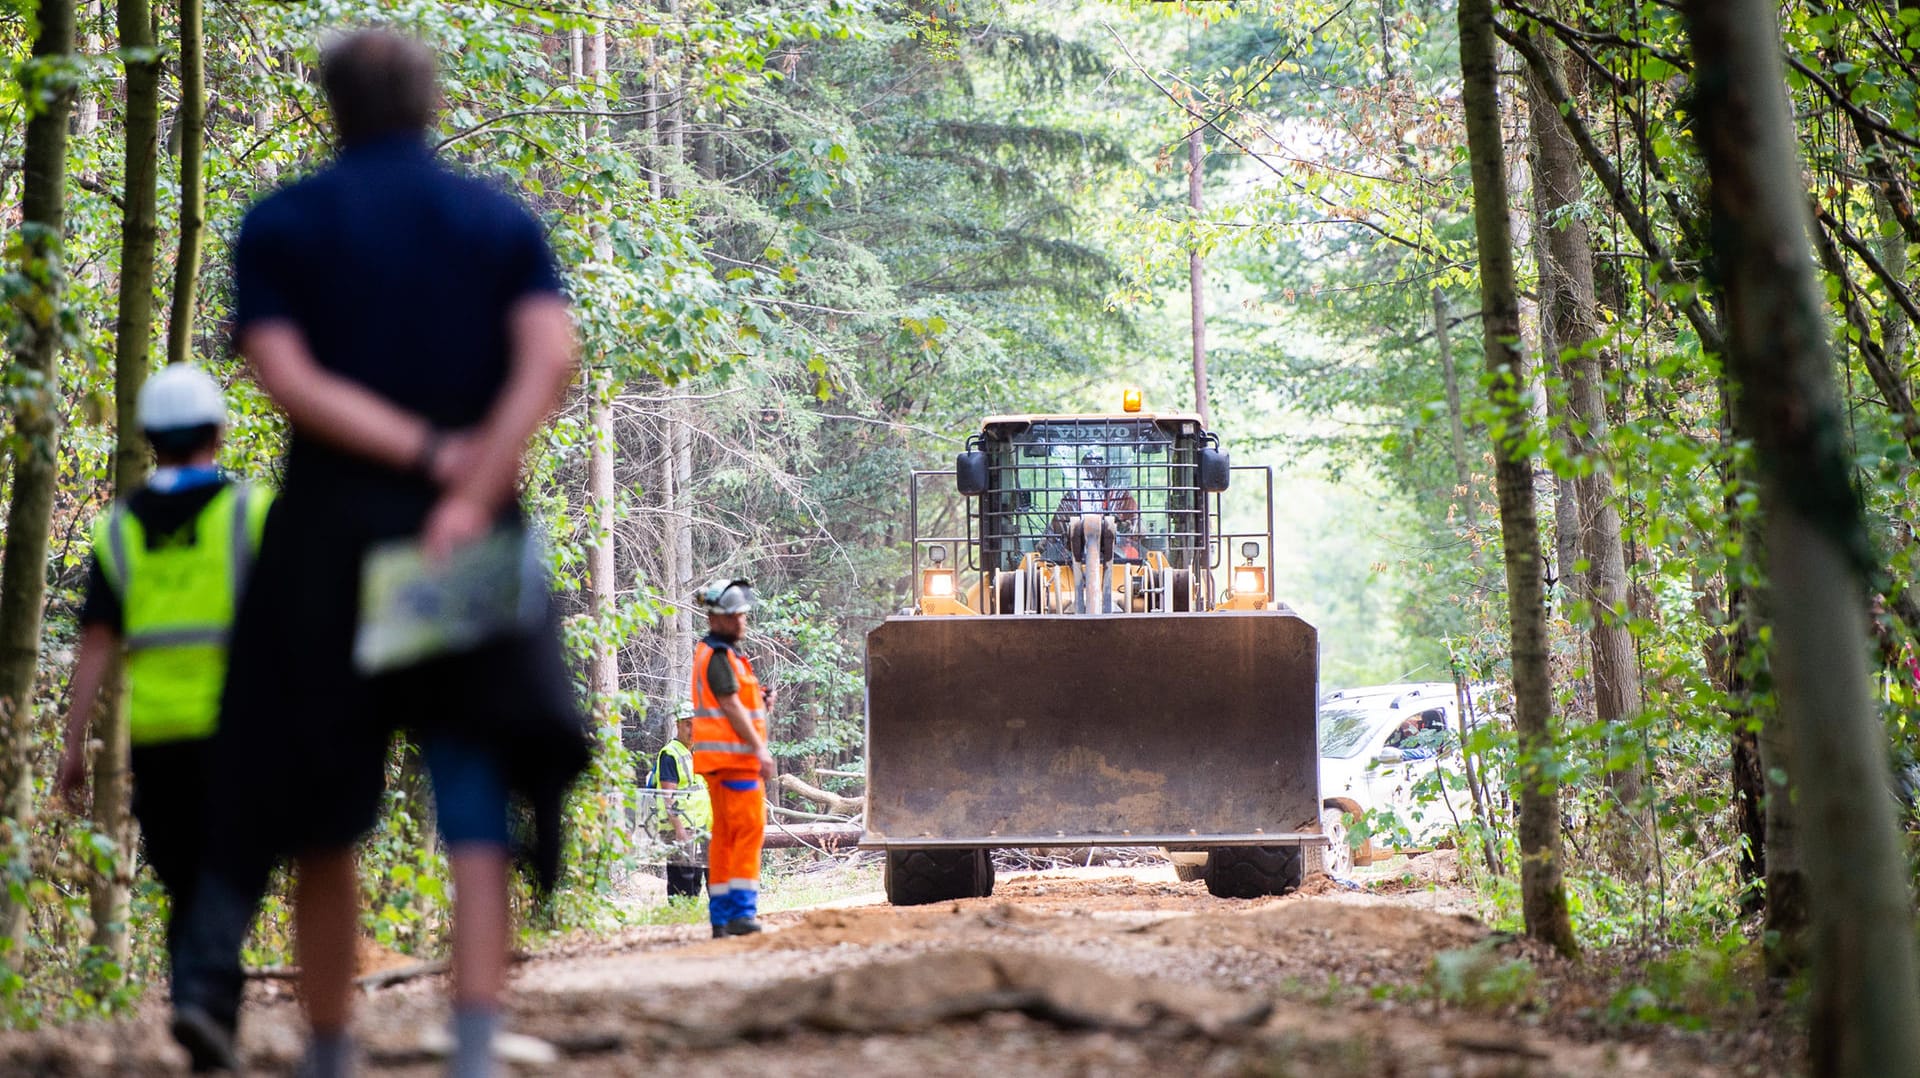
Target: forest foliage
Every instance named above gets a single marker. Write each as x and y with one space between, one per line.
812 242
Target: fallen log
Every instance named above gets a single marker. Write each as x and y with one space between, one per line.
831 837
834 803
783 813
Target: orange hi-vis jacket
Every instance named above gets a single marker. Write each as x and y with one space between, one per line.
717 749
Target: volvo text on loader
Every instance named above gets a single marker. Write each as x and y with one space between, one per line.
1088 663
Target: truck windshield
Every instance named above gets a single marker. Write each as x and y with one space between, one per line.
1343 732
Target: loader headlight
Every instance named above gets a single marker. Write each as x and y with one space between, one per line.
1249 581
1250 549
937 583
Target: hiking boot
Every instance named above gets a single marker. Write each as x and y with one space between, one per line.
719 931
209 1043
742 926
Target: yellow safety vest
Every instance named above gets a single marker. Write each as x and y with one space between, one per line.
690 802
178 601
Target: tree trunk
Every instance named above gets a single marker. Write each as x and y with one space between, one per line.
1574 315
1896 332
1569 582
682 627
1763 812
670 131
266 170
680 461
1542 890
1865 1007
86 108
133 350
1196 274
193 144
673 687
603 585
1749 801
1457 430
48 83
1727 662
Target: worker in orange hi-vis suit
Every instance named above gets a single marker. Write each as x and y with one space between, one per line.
730 750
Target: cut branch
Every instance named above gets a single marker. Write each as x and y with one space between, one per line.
834 803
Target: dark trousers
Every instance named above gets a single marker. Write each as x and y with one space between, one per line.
169 781
683 881
211 912
213 899
206 944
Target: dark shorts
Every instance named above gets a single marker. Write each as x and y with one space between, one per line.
469 792
304 738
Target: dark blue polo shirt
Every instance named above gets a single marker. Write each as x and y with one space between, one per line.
400 273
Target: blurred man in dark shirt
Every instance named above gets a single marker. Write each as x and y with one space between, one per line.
410 322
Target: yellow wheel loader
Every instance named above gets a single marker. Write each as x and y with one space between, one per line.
1092 661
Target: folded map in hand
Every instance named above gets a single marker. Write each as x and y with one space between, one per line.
411 611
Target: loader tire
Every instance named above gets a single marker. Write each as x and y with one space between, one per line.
917 877
1255 871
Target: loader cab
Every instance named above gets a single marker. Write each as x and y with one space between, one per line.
1025 479
1041 471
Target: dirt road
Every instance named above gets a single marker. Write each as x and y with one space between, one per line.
1081 973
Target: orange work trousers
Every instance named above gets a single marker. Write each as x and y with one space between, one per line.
733 854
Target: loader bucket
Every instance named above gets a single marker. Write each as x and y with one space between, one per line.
1184 730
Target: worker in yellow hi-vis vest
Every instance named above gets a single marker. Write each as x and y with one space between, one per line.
682 813
169 562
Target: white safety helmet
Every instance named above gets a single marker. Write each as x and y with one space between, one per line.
180 397
726 597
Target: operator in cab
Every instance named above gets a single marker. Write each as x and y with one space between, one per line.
1099 494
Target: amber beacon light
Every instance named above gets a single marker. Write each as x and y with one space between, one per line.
1130 400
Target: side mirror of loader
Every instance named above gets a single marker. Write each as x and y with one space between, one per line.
970 472
1216 470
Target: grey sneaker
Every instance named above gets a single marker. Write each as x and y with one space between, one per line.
209 1044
